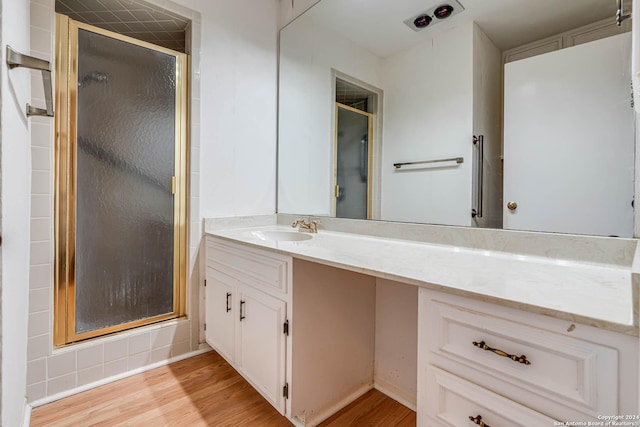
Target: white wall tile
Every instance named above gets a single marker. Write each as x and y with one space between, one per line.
195 113
60 384
36 371
41 134
41 43
61 364
36 391
87 376
139 343
40 229
195 183
90 356
195 154
40 182
195 234
138 360
39 300
37 89
41 159
194 209
160 354
116 350
40 276
195 138
115 367
180 348
41 206
182 331
40 253
38 347
162 337
41 16
38 323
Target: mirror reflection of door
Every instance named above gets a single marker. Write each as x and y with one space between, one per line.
352 188
568 134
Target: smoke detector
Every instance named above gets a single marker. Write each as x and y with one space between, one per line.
433 15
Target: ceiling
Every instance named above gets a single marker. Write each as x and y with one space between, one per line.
377 25
131 18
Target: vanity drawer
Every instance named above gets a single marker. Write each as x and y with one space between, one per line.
576 373
262 269
450 401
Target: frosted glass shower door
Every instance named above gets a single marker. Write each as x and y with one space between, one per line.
353 147
126 161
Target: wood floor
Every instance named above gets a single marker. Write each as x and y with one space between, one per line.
200 391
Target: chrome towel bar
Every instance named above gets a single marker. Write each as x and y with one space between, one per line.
16 59
458 160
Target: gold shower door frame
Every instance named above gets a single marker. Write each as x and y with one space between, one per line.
66 61
370 146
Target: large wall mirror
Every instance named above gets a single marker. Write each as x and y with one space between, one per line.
497 113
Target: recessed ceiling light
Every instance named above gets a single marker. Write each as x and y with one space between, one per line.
443 11
422 21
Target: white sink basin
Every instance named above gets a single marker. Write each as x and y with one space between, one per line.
281 236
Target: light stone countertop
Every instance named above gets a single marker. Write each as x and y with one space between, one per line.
599 295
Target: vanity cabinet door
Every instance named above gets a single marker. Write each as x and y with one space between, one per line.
220 313
261 342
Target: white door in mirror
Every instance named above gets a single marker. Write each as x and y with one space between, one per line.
568 135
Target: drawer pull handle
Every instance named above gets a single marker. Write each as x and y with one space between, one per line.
241 311
520 359
228 302
478 420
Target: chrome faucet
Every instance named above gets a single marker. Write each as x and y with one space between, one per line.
307 226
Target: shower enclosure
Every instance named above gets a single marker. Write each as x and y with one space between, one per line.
352 188
120 182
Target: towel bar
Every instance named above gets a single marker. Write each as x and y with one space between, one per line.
16 59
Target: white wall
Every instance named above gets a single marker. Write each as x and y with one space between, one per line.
307 111
291 9
239 109
428 115
16 181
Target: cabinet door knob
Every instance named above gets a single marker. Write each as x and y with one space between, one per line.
512 206
241 310
228 302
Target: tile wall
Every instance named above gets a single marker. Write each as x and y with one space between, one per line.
51 372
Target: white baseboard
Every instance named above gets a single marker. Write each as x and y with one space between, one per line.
329 411
104 381
26 420
400 396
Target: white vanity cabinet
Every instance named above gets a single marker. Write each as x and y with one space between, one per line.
514 368
221 318
246 299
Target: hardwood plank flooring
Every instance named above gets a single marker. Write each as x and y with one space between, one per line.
201 391
373 409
